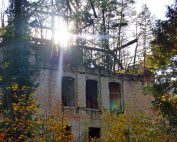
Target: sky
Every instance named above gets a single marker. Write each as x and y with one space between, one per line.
158 8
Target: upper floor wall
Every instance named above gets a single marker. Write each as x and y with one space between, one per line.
91 89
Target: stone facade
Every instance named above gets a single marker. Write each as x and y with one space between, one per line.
80 116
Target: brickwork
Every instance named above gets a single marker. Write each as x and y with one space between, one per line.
134 99
80 117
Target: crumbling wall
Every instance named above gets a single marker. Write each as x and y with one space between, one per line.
134 97
80 117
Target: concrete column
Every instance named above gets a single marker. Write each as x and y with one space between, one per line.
81 90
57 79
105 93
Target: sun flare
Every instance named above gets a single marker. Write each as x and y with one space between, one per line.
61 36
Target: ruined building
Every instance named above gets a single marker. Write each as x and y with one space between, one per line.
83 93
83 81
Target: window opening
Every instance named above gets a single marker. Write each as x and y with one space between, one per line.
94 133
67 130
68 91
91 94
115 96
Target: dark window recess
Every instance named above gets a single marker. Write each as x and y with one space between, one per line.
68 91
115 95
91 94
94 132
55 58
67 130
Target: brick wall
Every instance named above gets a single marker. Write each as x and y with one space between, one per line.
79 116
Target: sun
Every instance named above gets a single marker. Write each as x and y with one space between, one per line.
62 36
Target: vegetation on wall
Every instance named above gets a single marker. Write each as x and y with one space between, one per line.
136 126
20 120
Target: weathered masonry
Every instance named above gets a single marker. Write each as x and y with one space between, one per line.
84 93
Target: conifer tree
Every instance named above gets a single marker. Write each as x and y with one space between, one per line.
163 62
18 76
145 24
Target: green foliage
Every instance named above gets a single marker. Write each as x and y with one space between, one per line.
133 127
163 63
18 124
164 44
105 22
52 123
18 77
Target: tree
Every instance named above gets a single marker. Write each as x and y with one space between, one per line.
133 127
18 76
52 121
163 63
144 28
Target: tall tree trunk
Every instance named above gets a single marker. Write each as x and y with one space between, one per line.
18 18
